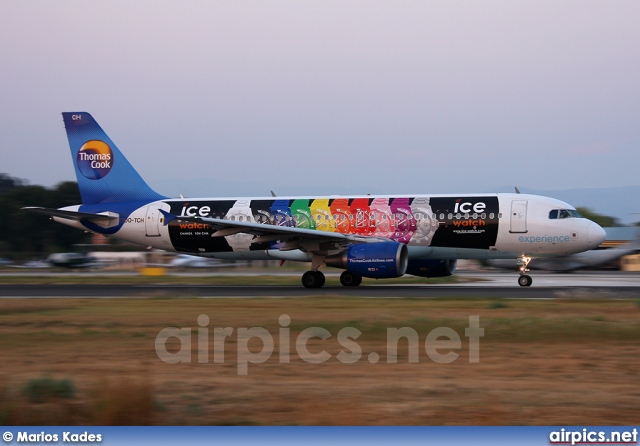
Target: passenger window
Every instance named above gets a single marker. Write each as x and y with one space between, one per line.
450 216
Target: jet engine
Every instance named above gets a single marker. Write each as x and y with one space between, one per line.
379 260
432 267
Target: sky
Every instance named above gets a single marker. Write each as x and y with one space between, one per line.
225 98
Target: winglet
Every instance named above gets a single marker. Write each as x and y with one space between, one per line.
168 217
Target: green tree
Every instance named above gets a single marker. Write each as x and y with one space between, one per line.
7 183
24 232
602 220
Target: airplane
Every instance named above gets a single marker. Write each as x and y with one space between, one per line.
374 236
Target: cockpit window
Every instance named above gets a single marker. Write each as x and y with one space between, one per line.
564 213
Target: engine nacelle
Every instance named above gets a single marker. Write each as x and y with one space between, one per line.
432 267
380 260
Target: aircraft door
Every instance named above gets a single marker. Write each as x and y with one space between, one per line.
154 220
518 216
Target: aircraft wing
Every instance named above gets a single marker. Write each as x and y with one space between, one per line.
294 238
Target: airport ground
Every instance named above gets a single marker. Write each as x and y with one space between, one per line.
566 359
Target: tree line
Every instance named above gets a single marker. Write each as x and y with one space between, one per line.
24 234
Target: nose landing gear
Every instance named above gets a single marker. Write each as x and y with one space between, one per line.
523 263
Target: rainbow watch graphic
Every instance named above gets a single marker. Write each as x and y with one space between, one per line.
342 216
302 215
281 213
322 215
405 225
364 225
382 216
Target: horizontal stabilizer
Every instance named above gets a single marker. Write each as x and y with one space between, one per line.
103 217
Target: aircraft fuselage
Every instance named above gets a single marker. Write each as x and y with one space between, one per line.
475 226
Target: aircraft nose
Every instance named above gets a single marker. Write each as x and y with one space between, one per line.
595 235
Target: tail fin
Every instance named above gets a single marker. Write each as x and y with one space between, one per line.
104 174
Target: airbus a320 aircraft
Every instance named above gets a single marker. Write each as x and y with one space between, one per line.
367 236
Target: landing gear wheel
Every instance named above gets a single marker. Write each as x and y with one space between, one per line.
350 279
525 280
313 279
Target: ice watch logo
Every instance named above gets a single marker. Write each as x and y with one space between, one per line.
95 159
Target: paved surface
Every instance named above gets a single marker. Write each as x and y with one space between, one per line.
499 285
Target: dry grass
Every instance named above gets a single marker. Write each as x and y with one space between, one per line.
541 362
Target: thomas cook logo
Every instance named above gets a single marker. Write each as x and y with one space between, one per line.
95 159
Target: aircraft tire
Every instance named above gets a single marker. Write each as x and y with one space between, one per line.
350 279
525 280
313 279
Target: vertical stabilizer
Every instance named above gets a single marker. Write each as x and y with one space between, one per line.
104 174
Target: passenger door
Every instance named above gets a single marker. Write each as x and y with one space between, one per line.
518 216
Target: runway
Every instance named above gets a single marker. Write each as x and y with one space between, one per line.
491 285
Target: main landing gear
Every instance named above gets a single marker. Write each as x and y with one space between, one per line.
350 279
523 263
315 279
